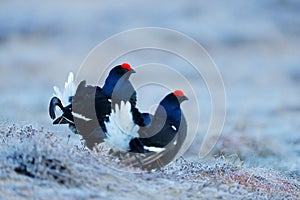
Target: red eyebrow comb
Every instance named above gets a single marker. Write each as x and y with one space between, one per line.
126 66
178 93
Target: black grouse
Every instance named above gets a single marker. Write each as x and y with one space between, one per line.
126 136
90 106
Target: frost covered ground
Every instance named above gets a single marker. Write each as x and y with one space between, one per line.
256 47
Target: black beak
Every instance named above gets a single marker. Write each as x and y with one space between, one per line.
183 98
128 74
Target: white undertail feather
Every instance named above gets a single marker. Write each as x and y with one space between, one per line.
68 91
121 127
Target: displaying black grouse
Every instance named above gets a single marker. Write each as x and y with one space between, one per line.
89 107
126 136
168 132
109 114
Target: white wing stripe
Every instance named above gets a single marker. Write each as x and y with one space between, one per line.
80 116
154 149
174 128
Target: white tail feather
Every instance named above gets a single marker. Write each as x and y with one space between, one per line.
69 90
120 127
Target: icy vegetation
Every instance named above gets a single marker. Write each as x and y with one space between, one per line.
37 164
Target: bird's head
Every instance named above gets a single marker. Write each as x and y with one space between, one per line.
169 108
121 71
118 73
173 99
180 96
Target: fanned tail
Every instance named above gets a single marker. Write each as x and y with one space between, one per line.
62 99
121 128
68 92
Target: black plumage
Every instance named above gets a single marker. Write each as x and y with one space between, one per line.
164 125
155 145
91 105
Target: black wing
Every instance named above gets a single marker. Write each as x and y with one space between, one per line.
90 109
